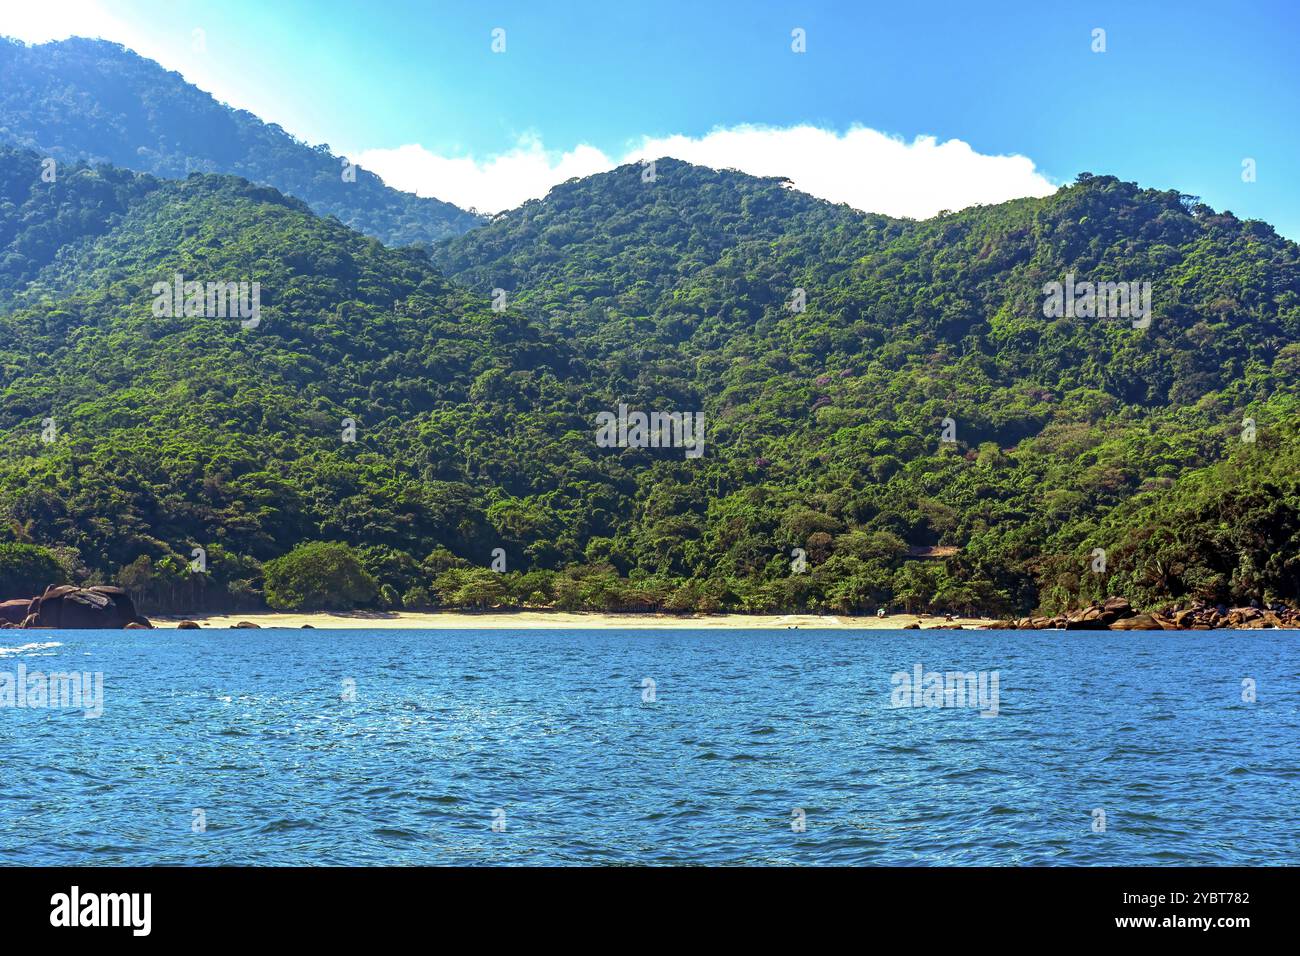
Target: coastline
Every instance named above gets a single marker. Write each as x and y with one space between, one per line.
542 620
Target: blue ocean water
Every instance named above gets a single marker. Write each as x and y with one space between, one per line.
758 747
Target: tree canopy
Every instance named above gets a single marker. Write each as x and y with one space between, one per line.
318 576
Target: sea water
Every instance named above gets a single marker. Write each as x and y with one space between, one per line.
299 747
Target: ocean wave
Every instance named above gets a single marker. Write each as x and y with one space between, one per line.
23 649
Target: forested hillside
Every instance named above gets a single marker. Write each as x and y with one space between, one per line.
1073 434
92 100
825 349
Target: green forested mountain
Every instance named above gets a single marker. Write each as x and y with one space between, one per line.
93 100
475 411
1072 433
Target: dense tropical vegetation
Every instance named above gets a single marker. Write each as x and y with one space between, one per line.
318 576
438 436
27 570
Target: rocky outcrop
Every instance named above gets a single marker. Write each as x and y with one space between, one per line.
1138 622
1099 617
95 608
1115 614
14 612
1033 623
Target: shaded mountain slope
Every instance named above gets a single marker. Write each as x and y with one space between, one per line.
97 101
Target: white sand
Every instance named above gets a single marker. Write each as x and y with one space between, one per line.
459 620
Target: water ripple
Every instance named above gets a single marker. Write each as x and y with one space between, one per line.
763 747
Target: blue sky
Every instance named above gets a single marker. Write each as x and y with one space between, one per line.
1183 93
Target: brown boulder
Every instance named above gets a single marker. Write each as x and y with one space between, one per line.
95 608
1036 623
1091 618
187 625
1117 607
15 611
1244 617
247 624
1138 622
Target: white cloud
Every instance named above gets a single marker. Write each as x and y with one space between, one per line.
862 167
490 185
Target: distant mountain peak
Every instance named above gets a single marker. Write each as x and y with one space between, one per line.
100 101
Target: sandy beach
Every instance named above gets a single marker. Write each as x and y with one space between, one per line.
460 620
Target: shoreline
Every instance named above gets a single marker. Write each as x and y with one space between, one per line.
544 620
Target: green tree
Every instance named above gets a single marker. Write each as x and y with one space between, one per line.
26 569
318 576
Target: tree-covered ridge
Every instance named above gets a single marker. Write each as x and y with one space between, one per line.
41 214
910 323
189 430
614 244
475 427
97 101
